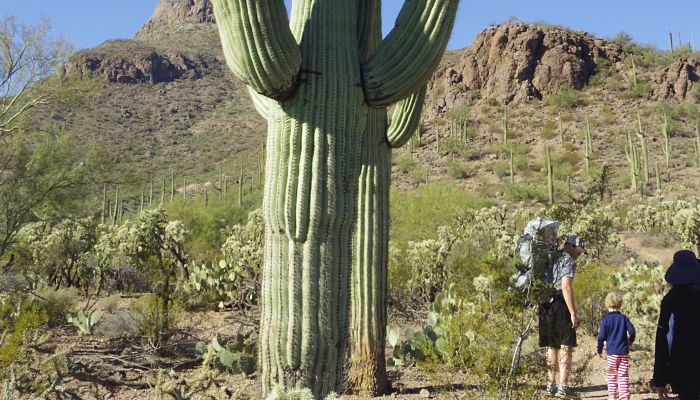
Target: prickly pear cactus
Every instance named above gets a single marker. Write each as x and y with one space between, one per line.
314 79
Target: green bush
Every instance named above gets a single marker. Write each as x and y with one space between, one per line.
459 170
155 321
566 99
526 192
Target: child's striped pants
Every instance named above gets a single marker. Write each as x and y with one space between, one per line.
618 376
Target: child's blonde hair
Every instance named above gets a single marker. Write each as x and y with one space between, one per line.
613 300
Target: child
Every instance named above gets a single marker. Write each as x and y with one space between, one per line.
614 329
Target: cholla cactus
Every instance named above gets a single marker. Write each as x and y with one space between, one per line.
314 81
297 394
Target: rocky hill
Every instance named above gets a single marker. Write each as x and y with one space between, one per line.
167 101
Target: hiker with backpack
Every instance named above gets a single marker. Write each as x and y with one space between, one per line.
558 320
548 273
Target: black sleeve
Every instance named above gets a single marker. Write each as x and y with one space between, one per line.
661 351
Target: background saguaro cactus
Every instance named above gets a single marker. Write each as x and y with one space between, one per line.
313 80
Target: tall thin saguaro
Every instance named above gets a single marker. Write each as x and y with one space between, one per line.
367 371
310 80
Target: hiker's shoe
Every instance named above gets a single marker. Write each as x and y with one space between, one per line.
551 389
563 392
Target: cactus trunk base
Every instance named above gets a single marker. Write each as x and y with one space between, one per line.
367 372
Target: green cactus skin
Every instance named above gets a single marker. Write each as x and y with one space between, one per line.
666 144
172 185
633 161
162 193
697 143
240 188
115 215
104 204
658 178
550 174
367 371
645 151
588 149
504 124
318 87
150 194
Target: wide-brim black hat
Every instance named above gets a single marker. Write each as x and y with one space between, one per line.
685 269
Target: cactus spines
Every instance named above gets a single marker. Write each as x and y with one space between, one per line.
317 116
550 175
666 144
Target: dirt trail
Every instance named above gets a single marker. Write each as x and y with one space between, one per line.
595 384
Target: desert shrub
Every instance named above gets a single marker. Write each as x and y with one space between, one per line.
525 192
459 170
416 214
155 318
405 164
156 244
486 331
566 99
58 253
592 283
119 324
549 130
206 222
642 286
235 279
640 91
22 325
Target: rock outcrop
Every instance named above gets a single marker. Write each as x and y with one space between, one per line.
518 62
170 13
141 65
676 80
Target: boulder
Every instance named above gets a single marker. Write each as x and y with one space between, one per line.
170 13
676 80
140 65
520 62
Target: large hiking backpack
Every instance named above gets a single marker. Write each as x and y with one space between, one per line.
537 247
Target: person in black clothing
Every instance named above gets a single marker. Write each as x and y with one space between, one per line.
677 352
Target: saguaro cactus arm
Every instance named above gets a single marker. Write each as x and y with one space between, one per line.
408 56
261 103
406 118
258 45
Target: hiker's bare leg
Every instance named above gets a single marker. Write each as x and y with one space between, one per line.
565 365
552 361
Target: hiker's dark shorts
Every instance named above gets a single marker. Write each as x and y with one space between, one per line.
555 324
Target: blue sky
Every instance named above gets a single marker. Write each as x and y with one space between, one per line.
87 23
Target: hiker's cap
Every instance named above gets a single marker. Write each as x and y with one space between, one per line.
685 269
577 242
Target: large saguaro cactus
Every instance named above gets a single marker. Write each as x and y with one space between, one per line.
312 80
